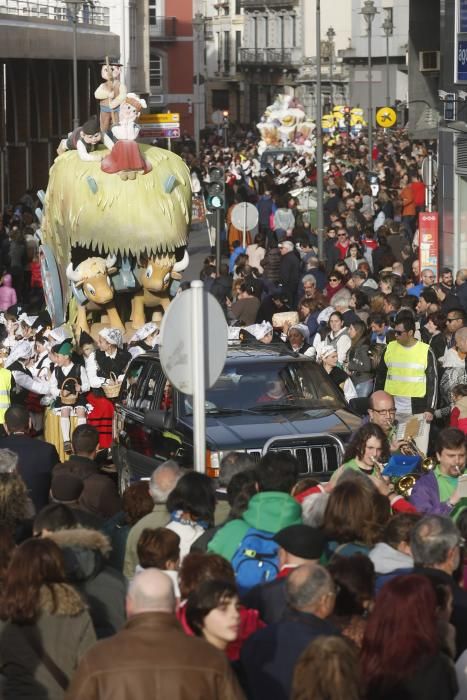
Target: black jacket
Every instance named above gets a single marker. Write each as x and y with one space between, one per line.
268 657
434 679
269 600
290 274
36 461
425 403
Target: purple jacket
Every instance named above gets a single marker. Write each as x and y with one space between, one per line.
425 496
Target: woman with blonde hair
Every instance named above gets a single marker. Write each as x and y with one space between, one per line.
327 670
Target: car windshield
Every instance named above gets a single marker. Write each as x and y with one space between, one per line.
244 387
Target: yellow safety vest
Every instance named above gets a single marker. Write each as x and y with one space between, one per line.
406 369
5 386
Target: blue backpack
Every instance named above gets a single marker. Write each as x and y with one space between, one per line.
256 559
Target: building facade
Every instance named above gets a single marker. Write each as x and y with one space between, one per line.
36 84
388 52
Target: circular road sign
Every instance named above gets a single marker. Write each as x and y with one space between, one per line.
175 349
245 216
217 117
386 117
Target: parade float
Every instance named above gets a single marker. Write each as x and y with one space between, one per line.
115 219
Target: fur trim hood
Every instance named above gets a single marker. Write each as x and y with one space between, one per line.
60 599
85 552
82 537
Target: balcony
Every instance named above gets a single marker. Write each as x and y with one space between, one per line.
163 28
268 4
53 11
284 58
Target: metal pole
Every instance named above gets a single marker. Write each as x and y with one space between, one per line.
319 139
330 76
75 69
199 387
370 104
388 89
429 188
218 240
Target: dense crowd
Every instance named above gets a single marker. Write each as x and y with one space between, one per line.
265 583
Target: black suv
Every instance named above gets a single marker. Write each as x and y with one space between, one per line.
264 400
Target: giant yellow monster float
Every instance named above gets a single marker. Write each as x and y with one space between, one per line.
115 223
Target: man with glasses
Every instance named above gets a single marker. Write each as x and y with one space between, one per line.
454 320
427 279
408 372
343 242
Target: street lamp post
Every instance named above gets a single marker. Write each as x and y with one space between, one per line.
369 11
330 35
319 139
388 29
198 26
73 7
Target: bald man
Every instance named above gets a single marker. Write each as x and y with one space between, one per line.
152 651
382 411
269 656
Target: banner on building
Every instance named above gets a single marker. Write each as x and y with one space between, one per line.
428 241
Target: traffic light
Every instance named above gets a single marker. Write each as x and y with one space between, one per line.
347 118
216 188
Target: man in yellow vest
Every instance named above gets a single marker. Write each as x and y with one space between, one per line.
408 372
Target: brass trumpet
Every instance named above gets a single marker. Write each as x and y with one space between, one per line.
404 484
428 463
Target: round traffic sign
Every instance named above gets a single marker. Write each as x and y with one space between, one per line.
386 117
176 346
217 117
245 216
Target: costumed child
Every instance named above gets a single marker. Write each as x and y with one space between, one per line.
18 362
103 365
125 158
144 340
83 139
59 388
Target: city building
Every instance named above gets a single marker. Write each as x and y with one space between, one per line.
36 83
389 46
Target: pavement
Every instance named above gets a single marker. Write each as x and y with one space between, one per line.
198 248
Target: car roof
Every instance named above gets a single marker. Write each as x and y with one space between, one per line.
254 353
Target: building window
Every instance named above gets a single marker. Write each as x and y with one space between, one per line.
155 73
238 44
266 31
220 100
226 52
237 7
152 12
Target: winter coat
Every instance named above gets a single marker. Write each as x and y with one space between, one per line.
270 511
434 679
244 310
7 294
268 657
37 661
290 275
153 658
104 588
359 362
99 494
272 264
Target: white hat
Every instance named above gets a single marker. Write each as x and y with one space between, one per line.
259 330
59 334
326 350
112 336
303 329
143 332
23 350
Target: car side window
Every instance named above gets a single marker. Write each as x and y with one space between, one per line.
150 394
132 384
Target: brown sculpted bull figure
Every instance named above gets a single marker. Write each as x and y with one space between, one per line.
155 276
92 277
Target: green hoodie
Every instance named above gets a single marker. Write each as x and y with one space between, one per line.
270 511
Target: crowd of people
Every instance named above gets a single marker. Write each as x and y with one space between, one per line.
267 583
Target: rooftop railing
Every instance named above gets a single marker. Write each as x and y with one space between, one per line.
55 11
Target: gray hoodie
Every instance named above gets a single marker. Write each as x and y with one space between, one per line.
387 559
